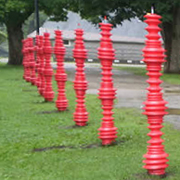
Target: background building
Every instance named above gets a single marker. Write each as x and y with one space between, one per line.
128 38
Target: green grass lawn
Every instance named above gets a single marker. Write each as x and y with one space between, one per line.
169 78
24 127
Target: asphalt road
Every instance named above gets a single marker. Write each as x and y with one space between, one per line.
131 89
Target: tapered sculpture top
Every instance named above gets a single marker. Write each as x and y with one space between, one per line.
59 46
153 52
47 44
79 50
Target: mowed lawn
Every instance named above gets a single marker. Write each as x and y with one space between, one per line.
27 123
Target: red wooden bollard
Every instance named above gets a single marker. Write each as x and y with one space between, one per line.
38 68
61 76
107 92
156 158
32 62
28 59
48 71
41 66
80 83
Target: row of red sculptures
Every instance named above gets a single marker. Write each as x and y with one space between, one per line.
40 73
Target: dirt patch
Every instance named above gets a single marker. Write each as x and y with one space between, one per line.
13 79
173 111
48 112
90 146
28 90
51 148
172 91
39 102
72 127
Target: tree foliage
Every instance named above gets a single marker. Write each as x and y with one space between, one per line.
13 13
3 34
30 24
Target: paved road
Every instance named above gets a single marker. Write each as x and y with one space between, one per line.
130 89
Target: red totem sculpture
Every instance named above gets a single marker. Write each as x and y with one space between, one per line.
32 63
80 83
107 91
156 158
38 68
48 71
61 76
41 66
28 59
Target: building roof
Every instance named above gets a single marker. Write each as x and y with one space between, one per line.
130 31
132 28
88 36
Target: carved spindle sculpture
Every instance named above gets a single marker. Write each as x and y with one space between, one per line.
48 71
32 62
61 76
80 83
38 68
42 64
107 92
156 158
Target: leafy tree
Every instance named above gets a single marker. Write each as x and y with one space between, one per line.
30 24
2 37
119 10
13 14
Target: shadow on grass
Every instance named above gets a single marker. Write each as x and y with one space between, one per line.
72 127
146 176
48 112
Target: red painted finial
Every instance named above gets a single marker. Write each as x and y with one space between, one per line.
105 19
152 8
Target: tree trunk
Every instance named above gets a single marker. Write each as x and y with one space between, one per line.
171 35
15 36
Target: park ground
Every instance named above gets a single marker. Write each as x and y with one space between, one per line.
39 143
